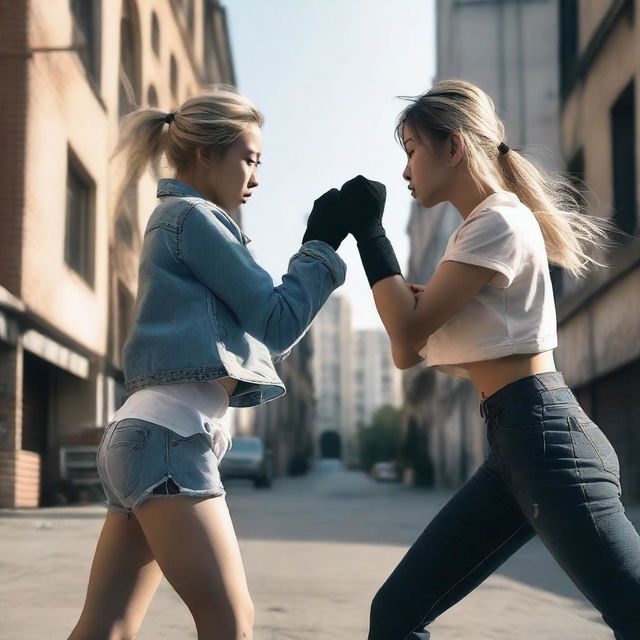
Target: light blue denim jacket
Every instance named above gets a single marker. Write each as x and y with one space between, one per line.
205 309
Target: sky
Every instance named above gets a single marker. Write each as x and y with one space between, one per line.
326 75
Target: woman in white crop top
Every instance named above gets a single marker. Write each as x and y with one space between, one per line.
488 314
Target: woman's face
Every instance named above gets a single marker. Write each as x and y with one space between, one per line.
229 181
427 170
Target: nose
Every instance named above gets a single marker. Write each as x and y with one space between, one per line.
406 174
253 180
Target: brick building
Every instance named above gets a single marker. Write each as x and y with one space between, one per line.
68 261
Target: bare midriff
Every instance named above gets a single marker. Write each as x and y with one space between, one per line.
228 383
490 375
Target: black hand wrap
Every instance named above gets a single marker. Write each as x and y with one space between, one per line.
325 220
362 203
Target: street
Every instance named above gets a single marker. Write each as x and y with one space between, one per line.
315 549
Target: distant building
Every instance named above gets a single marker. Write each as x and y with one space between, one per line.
377 382
286 423
334 430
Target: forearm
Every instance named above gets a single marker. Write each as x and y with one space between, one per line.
396 306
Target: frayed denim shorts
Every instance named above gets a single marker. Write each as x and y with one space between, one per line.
139 460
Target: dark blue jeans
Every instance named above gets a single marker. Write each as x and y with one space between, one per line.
550 471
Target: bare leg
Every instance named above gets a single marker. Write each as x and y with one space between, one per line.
124 577
195 544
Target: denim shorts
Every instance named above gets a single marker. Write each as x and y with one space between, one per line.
139 460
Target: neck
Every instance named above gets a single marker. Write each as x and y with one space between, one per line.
467 195
194 183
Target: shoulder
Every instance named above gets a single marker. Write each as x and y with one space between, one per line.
501 219
203 214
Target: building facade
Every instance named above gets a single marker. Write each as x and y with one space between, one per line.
599 331
68 261
285 424
334 429
377 381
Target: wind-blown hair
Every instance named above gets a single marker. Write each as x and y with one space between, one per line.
457 106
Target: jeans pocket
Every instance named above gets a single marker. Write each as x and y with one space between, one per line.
123 457
192 461
595 440
516 416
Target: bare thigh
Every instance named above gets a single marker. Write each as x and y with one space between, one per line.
195 544
124 577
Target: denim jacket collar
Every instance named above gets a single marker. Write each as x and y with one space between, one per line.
175 187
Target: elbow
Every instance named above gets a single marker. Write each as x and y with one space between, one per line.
406 361
408 334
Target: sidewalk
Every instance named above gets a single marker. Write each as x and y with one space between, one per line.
316 549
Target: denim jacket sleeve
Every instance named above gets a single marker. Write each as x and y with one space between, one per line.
276 316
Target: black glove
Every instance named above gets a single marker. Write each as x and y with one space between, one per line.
362 204
324 222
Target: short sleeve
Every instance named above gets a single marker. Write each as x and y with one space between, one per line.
489 240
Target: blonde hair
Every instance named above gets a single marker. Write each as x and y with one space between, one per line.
212 120
456 106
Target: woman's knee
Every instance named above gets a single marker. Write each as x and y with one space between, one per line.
383 602
232 621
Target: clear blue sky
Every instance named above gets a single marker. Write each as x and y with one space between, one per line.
326 73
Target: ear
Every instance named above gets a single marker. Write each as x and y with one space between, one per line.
456 149
204 156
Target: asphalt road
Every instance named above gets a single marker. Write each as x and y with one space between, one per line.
316 549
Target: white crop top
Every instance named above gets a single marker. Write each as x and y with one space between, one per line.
185 408
515 311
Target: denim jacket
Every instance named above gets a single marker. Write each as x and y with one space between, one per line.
205 309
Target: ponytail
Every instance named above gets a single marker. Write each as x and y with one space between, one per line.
572 239
213 120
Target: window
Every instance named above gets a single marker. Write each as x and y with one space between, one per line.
126 303
576 174
155 34
79 225
129 89
86 29
152 96
576 169
128 213
190 17
173 79
569 39
623 151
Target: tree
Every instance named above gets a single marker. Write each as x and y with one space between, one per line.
380 441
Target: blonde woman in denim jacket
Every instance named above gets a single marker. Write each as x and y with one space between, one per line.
208 326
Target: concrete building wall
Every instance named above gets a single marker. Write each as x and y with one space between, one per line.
377 382
333 375
599 333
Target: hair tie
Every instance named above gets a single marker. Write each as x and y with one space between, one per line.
169 118
503 148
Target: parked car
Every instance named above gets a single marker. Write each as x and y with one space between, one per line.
247 458
385 472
